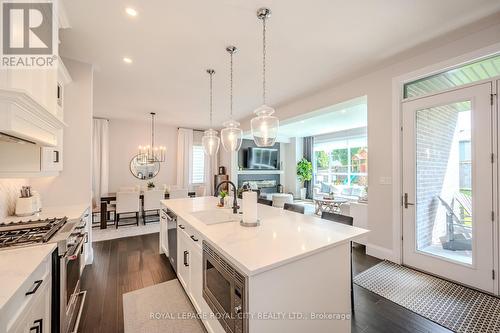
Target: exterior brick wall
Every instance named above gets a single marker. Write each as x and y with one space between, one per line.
437 170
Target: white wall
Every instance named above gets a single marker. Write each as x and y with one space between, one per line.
124 138
9 192
74 185
293 152
377 85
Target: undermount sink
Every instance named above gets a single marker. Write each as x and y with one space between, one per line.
214 216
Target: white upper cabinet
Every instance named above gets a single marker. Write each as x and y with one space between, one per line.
32 112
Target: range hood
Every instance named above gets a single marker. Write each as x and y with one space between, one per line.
22 119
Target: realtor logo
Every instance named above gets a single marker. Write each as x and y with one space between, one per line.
27 29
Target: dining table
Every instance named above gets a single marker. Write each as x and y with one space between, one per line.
328 204
107 198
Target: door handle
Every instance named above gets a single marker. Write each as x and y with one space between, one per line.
186 254
405 201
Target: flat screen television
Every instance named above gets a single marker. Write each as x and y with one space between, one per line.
262 158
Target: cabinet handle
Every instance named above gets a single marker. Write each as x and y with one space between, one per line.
37 285
38 328
56 156
193 238
182 227
186 254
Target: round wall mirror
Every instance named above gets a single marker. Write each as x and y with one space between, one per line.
143 170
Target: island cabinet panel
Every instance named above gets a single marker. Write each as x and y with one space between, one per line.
196 265
312 294
183 257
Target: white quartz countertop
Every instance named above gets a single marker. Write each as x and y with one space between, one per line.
17 265
70 211
282 236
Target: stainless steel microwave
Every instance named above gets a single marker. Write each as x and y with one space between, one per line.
225 291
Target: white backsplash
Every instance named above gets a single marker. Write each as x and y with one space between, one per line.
9 191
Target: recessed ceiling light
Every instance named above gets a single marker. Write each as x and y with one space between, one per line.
127 60
131 11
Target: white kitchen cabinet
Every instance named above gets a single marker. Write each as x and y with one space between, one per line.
52 157
29 308
196 275
183 256
190 264
36 318
63 79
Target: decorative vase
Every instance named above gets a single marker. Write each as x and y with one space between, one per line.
303 192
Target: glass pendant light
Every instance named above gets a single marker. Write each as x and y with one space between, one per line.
210 140
231 134
264 126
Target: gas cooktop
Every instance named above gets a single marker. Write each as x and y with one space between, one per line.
29 232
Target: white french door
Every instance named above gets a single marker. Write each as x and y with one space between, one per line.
448 173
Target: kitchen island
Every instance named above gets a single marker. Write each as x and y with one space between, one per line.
292 272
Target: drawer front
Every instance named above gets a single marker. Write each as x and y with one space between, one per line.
28 292
35 318
195 237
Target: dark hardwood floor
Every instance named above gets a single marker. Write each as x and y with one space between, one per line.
120 265
127 264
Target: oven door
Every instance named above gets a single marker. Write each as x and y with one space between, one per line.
71 297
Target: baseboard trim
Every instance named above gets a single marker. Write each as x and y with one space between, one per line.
381 252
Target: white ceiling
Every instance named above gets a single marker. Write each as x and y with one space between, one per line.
340 117
172 42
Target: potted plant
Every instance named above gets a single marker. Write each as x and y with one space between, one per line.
151 185
222 195
304 172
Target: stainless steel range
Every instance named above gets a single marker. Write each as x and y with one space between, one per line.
29 233
70 236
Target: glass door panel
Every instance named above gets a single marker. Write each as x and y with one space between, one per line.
444 225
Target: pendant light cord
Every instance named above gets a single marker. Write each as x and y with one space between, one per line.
264 54
152 131
231 89
211 97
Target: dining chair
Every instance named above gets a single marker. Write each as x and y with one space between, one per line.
279 199
201 191
152 200
265 201
96 212
175 193
127 202
348 220
294 208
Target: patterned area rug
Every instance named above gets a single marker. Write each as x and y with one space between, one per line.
455 307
